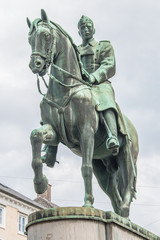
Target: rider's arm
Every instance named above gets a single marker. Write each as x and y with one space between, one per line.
107 63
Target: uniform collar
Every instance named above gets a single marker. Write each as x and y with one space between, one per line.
92 43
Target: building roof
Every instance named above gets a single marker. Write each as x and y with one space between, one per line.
45 202
19 196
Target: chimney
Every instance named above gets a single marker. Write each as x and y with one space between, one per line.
47 194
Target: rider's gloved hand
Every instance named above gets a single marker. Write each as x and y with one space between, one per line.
91 78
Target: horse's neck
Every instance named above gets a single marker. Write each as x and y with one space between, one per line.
65 58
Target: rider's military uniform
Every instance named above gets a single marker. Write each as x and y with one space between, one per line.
98 60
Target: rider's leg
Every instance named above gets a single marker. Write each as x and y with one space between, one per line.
112 142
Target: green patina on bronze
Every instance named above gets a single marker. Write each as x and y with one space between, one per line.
79 110
66 213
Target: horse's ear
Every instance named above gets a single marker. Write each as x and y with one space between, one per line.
44 16
28 22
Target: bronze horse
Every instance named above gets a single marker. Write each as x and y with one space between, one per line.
69 116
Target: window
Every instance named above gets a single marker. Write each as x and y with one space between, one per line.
22 221
2 216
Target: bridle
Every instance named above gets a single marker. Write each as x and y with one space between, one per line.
49 57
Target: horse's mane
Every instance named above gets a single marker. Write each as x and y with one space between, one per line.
64 33
35 25
83 71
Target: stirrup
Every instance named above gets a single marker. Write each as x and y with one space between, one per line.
112 144
50 156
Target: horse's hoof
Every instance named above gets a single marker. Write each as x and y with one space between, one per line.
88 200
42 186
125 212
88 204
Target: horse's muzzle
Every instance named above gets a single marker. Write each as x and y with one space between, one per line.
37 65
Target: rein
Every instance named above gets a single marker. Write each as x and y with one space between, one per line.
70 75
38 85
59 82
49 60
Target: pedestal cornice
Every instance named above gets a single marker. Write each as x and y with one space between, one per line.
62 213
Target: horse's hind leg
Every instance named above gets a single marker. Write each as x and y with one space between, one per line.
38 136
111 187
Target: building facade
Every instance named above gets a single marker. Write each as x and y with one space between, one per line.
14 211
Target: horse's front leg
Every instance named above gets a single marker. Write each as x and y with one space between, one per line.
87 146
38 136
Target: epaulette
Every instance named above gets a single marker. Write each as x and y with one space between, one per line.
105 41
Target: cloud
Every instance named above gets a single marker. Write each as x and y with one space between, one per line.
131 26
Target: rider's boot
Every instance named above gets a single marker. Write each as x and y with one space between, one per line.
50 156
112 142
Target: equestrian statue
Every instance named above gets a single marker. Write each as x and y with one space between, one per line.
79 111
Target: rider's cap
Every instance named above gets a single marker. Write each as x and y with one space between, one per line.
83 20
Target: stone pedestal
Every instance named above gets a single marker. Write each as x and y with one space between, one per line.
82 223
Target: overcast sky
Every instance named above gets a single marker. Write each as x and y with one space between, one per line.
132 26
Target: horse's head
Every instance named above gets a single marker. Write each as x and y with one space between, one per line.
41 40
